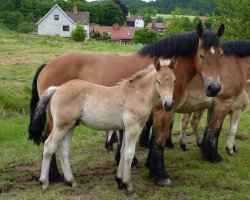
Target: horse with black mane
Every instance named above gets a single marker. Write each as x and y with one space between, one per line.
197 52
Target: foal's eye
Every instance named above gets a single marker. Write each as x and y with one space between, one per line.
158 81
174 81
202 56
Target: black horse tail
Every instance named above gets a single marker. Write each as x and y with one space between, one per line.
35 132
40 114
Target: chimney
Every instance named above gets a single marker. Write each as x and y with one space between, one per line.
75 12
116 26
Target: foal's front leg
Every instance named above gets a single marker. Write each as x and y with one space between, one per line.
128 152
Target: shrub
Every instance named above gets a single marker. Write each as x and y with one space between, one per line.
79 34
144 36
106 36
26 27
97 35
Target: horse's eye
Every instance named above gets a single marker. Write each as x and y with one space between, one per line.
221 55
174 81
202 56
158 81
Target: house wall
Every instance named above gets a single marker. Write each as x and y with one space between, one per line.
49 26
139 23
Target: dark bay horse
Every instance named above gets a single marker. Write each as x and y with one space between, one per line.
233 74
195 52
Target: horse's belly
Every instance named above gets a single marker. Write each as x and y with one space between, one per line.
102 119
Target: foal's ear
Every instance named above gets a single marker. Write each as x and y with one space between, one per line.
172 64
157 64
199 30
221 30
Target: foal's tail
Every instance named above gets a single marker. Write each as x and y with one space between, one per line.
38 119
34 132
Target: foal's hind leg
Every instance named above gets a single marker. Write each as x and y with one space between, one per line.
50 146
195 121
64 156
184 123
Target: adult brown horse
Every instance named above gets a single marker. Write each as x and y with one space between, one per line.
233 74
195 52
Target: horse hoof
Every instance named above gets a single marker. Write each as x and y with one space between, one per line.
216 159
132 194
45 184
169 144
119 183
234 149
164 182
183 147
71 183
230 151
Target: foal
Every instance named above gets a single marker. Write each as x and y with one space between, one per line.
125 106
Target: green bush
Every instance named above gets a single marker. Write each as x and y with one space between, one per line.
144 36
79 34
97 35
26 27
106 36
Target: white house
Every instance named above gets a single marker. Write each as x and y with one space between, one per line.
58 22
135 21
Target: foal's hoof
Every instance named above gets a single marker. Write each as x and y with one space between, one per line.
71 183
45 184
183 146
132 194
230 151
119 183
169 144
164 182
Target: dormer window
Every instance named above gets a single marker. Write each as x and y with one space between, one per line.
56 17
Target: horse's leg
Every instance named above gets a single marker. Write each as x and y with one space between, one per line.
195 121
209 144
50 147
144 137
111 138
135 163
54 175
130 137
184 123
169 142
234 120
155 159
64 147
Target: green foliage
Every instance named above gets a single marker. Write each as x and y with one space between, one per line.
159 19
132 9
197 20
236 17
208 23
97 35
26 27
11 18
144 36
112 14
106 36
79 33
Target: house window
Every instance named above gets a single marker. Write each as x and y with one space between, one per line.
65 28
129 33
56 17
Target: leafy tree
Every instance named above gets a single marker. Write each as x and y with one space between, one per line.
112 14
133 9
11 18
197 20
236 17
144 36
26 27
97 35
79 34
208 23
106 36
159 19
123 7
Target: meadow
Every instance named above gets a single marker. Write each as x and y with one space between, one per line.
93 167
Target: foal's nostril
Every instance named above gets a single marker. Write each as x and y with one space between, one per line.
168 106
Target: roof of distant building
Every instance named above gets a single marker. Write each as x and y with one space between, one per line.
156 25
133 18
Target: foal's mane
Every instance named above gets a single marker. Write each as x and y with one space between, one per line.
138 75
183 44
236 47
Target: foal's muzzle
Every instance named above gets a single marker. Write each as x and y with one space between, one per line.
212 88
168 105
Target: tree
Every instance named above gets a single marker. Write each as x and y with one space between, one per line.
197 20
26 27
208 23
97 35
159 19
123 7
112 14
133 9
236 17
106 36
144 36
79 34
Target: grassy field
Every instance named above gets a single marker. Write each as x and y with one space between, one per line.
93 167
167 16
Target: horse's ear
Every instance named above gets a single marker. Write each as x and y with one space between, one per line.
221 30
157 64
172 63
199 30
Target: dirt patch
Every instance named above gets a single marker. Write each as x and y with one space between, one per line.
241 137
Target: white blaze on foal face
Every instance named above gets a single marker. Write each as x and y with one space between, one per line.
212 50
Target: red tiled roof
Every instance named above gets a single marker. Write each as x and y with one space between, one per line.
157 25
82 17
117 34
133 18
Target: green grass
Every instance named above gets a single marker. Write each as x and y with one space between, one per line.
94 169
167 16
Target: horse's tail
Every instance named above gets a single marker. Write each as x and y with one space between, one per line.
37 122
35 131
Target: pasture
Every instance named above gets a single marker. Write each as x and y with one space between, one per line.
93 167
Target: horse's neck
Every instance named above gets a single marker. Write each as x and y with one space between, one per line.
184 73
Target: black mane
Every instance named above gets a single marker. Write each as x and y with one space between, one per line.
236 47
184 44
